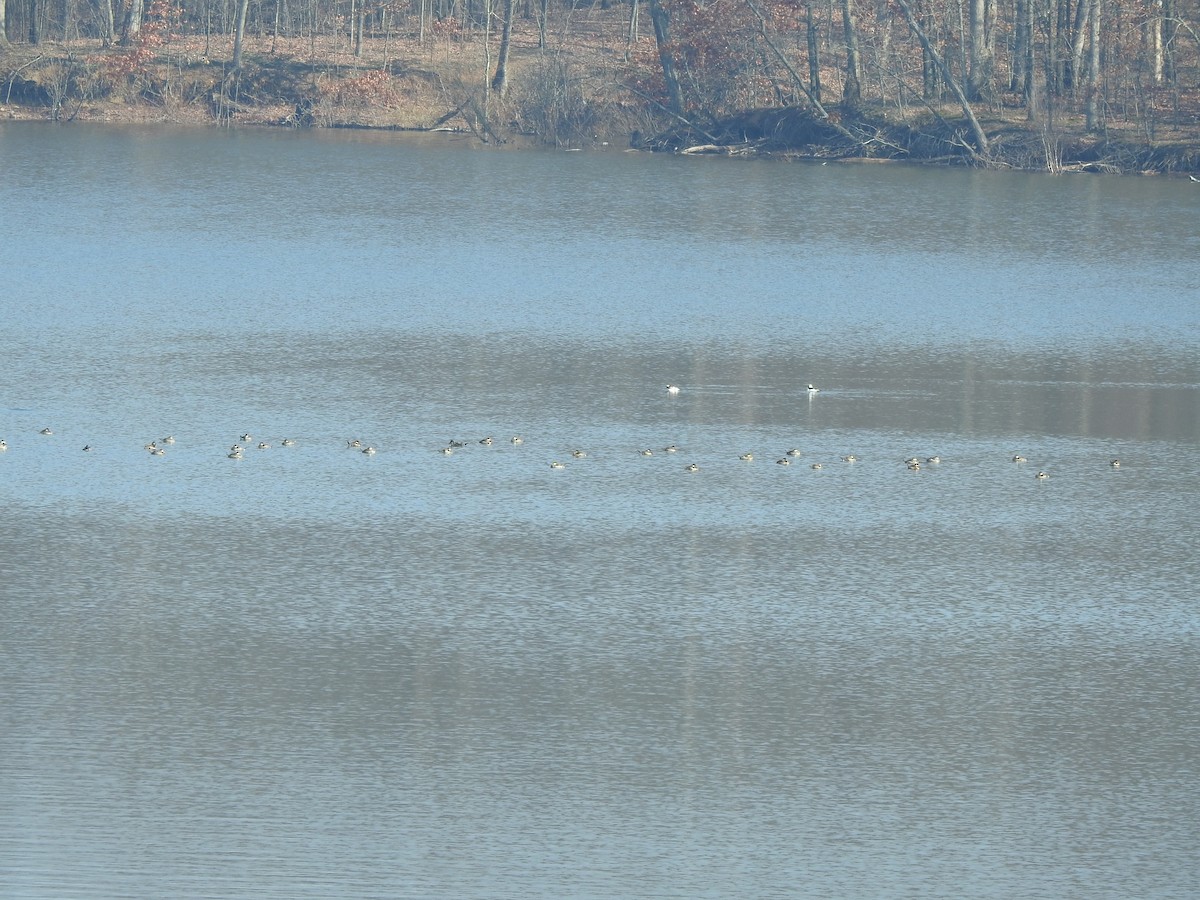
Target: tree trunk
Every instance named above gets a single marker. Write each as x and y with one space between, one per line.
852 89
34 35
133 22
979 77
500 81
239 34
981 142
814 53
3 26
1094 80
662 38
1078 41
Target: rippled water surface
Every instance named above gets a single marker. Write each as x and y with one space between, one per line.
314 672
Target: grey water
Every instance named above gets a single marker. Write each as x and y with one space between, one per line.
315 672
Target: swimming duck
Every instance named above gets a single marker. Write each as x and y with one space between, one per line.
672 389
158 451
557 465
169 439
813 389
671 449
369 450
911 460
263 445
151 445
246 438
1019 459
487 441
579 454
693 468
3 446
793 452
850 458
747 457
914 466
235 453
354 444
1116 463
456 444
1041 476
287 442
816 466
646 452
934 460
447 450
517 439
87 448
783 461
45 431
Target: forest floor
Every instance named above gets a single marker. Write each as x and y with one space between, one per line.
595 92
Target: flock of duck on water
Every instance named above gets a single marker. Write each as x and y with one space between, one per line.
246 441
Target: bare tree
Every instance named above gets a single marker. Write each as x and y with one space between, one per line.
852 89
662 37
500 80
239 34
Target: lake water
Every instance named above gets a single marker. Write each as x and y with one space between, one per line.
313 672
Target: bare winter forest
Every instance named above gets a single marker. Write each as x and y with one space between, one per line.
1057 85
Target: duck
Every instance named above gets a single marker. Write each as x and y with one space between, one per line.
816 466
46 431
353 445
692 468
670 449
1041 476
783 461
235 453
246 438
517 439
158 451
793 452
446 451
3 446
456 444
557 465
1019 459
914 466
850 458
487 441
813 389
672 389
1116 463
87 448
151 445
747 457
646 452
263 445
933 460
287 442
369 450
579 454
236 448
169 439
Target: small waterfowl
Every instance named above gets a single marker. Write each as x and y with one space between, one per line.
446 451
851 458
353 445
287 442
487 441
783 461
934 460
517 439
1116 463
692 468
816 466
46 431
646 452
3 446
747 457
456 444
151 445
672 389
263 445
369 450
813 389
557 465
246 438
579 454
87 448
236 448
671 449
1041 476
1019 459
914 466
793 452
235 453
911 460
169 439
158 451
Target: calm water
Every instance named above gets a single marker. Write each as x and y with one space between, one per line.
316 673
